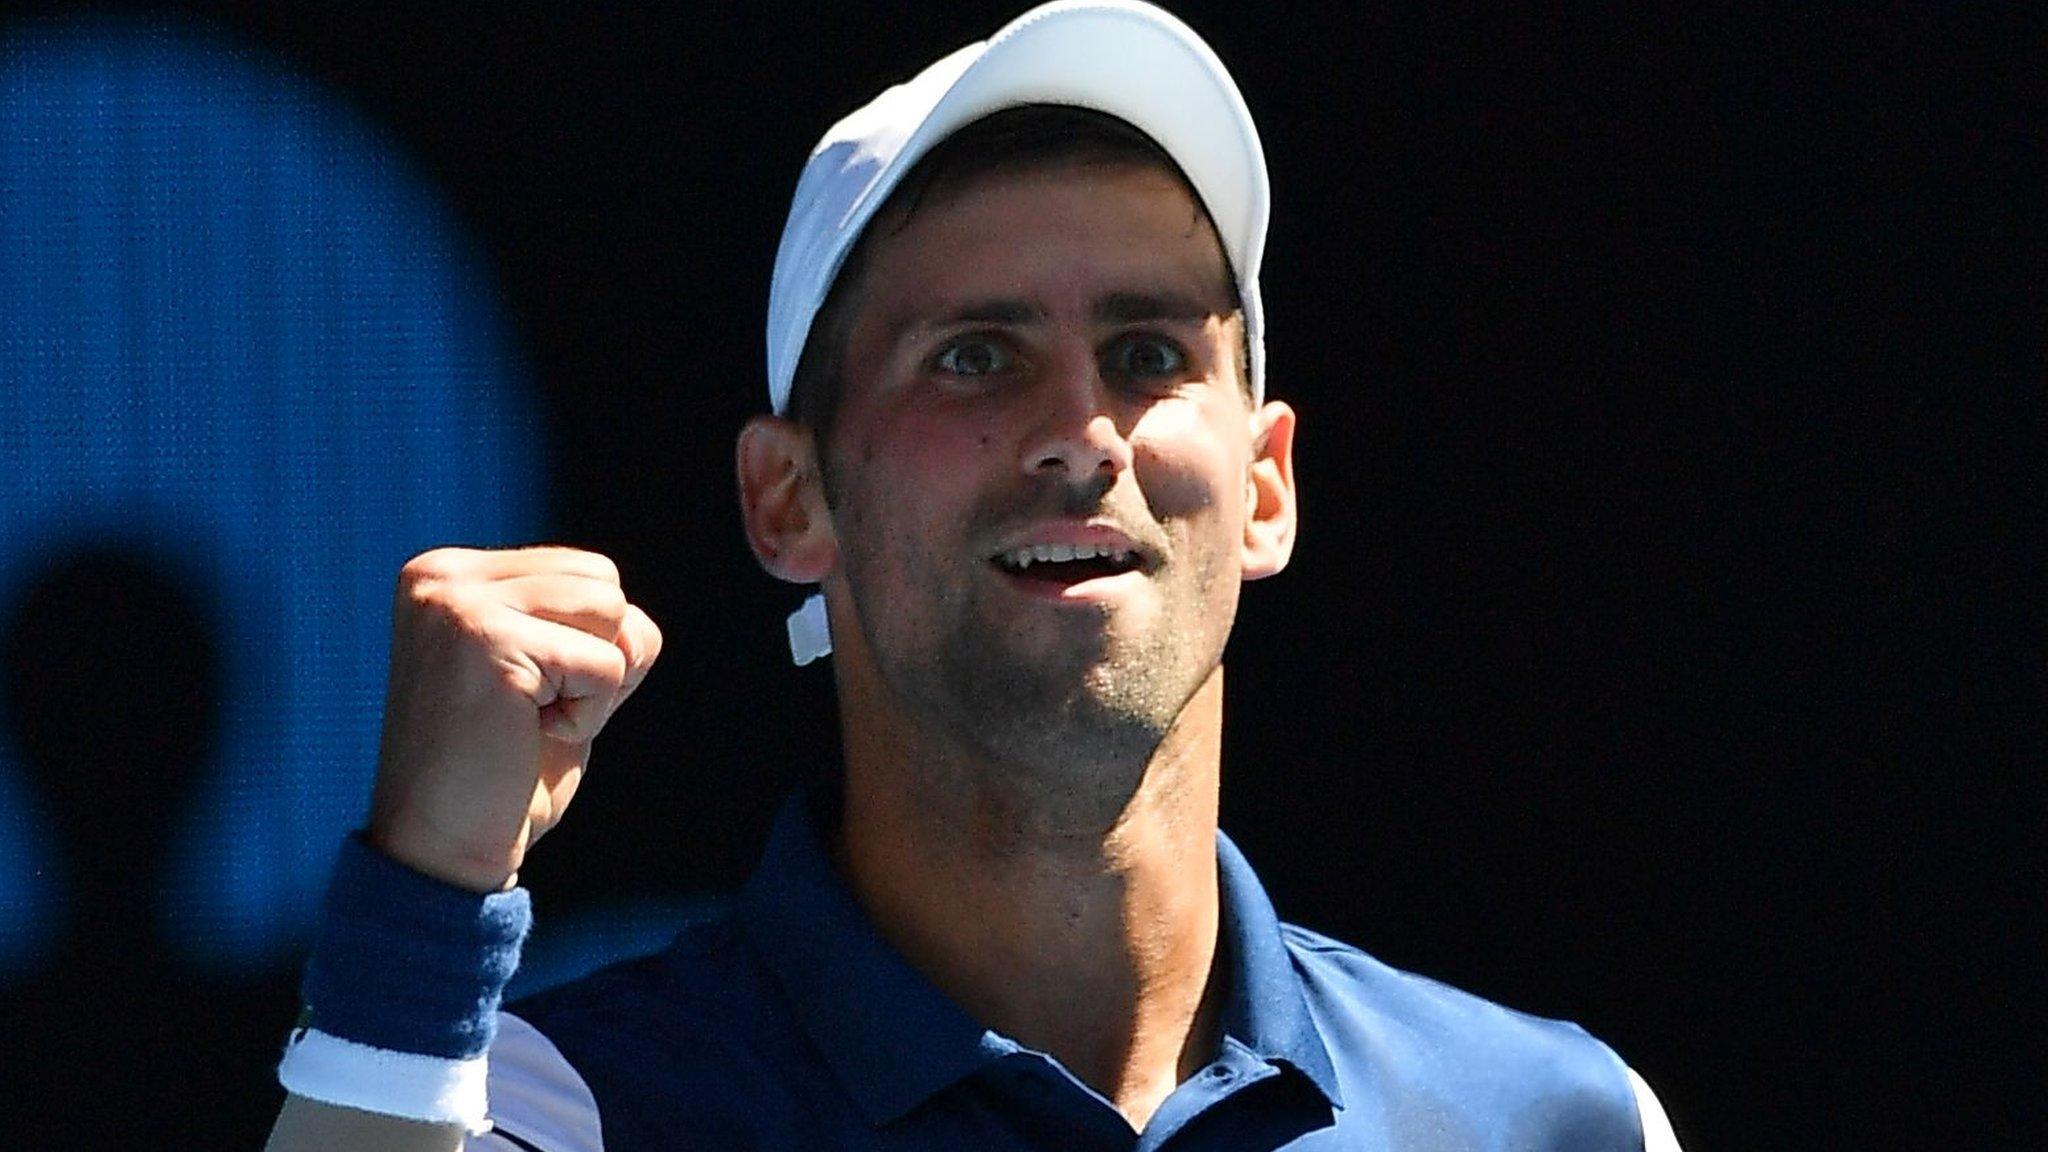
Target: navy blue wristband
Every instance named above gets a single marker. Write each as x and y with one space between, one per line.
406 963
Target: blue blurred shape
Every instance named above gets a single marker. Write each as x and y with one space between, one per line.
240 332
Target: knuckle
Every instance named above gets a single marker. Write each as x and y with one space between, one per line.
432 597
604 568
610 603
433 565
562 559
610 667
448 617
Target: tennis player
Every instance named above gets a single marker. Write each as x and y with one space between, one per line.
1020 440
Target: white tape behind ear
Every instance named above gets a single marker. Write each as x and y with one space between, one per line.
810 636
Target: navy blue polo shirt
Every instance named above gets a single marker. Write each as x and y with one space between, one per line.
790 1024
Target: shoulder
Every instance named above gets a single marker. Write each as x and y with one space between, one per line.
691 1039
1461 1045
1353 986
697 1006
697 971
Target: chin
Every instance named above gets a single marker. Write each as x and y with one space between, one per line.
1073 719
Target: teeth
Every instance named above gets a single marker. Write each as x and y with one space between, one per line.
1021 558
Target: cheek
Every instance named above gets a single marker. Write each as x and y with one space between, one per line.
923 437
1186 470
903 480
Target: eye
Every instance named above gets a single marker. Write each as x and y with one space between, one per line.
972 357
1144 356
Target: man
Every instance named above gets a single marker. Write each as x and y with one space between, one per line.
1023 448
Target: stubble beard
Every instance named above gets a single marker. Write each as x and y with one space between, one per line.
1064 731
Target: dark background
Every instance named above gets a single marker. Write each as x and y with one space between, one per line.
1664 648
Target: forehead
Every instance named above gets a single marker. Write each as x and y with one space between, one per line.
1062 233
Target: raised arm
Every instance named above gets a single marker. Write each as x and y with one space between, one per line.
504 667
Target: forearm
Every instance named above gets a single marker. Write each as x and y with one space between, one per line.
310 1126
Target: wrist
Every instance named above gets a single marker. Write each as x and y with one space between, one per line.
426 851
402 990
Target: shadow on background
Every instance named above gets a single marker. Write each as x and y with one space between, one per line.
110 686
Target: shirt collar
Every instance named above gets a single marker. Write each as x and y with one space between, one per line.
894 1040
1266 1010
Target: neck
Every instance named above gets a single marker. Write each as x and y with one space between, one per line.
1086 932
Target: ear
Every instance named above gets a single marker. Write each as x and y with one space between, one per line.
1270 509
782 500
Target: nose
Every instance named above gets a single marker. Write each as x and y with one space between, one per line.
1076 434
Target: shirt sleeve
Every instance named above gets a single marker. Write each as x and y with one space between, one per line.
537 1101
1657 1133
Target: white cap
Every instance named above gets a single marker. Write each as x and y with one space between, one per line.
1125 58
1121 57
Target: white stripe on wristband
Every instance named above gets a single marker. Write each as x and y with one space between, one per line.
433 1089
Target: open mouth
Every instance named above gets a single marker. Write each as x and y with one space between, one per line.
1067 563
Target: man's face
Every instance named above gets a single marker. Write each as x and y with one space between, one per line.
1041 464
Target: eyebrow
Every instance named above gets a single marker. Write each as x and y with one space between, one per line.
1115 308
1007 312
995 312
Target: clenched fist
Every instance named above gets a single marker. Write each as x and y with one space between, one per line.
504 666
